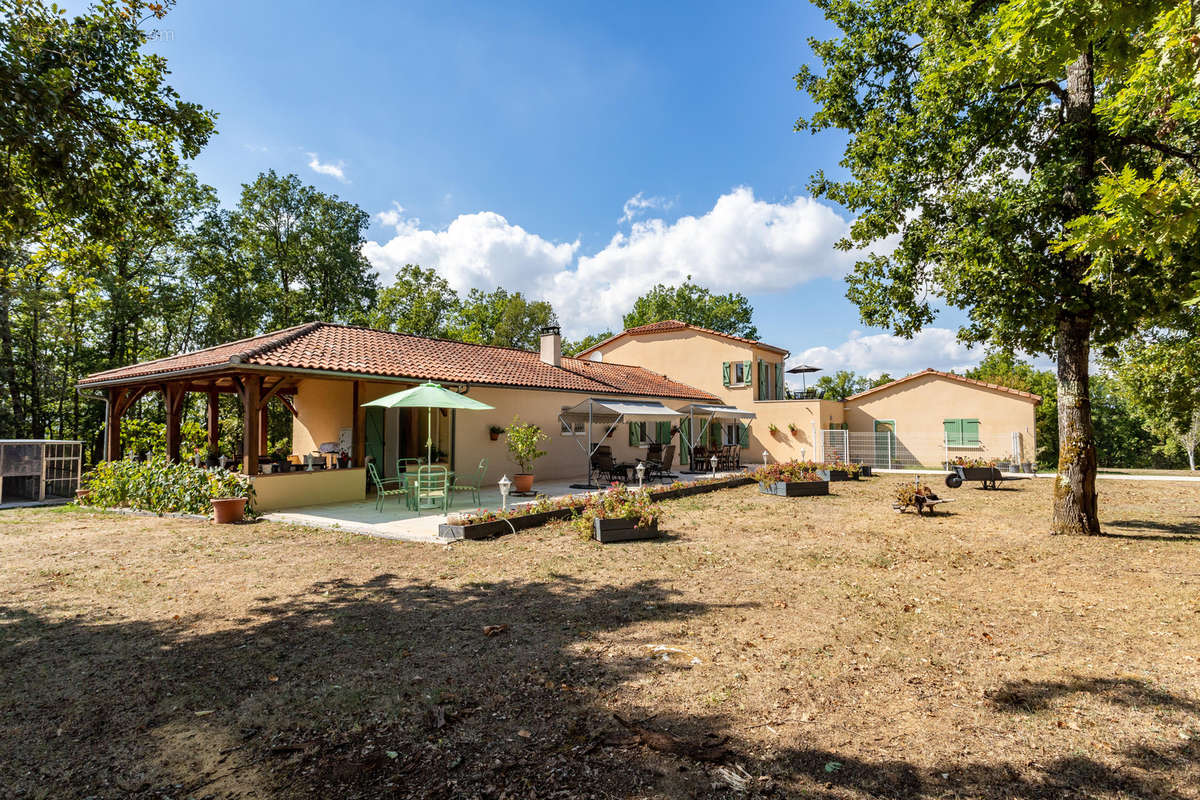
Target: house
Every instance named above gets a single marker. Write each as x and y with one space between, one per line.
923 419
323 373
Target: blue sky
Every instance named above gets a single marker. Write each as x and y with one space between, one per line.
578 153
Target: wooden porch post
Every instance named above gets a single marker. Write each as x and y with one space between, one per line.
112 426
173 398
263 428
250 417
214 423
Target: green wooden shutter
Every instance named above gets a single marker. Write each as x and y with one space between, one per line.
953 429
685 436
779 392
970 431
747 371
763 380
662 432
743 435
725 373
634 439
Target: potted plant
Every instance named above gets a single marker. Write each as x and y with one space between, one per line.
773 428
228 509
494 432
523 443
794 429
620 514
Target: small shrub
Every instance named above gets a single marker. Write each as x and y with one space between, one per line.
785 472
161 486
523 442
619 502
906 494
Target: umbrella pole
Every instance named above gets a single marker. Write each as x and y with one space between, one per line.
429 436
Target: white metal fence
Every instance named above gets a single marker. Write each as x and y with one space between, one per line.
890 450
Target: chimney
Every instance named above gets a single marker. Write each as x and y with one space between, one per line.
552 345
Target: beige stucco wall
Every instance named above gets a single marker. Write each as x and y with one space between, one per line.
696 359
919 407
294 489
810 416
326 406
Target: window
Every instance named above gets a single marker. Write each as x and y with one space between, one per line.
736 373
643 433
735 433
573 429
961 432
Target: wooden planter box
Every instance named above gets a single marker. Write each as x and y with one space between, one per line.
622 530
490 530
835 475
795 488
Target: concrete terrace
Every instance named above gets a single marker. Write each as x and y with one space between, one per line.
397 522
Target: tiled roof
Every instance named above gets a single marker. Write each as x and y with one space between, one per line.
1036 398
363 351
676 325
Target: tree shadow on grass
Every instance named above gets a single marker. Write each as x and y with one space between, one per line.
348 690
1157 531
389 687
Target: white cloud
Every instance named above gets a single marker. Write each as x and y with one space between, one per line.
742 244
638 204
337 170
481 250
878 353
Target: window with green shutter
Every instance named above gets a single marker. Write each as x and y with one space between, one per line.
685 436
725 377
743 435
961 432
662 432
779 387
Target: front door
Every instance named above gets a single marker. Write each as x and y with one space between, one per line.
885 443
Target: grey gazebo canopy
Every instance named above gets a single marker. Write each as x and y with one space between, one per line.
611 413
707 413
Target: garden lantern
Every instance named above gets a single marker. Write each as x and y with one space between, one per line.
713 461
505 484
766 456
641 473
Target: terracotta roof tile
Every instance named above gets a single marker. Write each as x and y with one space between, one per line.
676 325
363 351
1036 398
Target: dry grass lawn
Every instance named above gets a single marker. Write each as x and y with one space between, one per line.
845 651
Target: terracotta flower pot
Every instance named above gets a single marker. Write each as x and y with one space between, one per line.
228 509
495 437
81 494
523 482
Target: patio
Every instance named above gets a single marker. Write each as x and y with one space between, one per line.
398 522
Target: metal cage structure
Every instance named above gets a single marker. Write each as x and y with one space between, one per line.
35 471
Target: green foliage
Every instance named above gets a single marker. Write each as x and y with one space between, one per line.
696 305
522 440
501 318
617 502
574 348
840 385
162 487
419 301
86 117
1159 377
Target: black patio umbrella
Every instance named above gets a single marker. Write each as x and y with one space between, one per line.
801 369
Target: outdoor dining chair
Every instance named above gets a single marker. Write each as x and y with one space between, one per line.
384 488
432 488
474 487
661 469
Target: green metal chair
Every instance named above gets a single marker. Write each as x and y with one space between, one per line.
432 489
382 490
406 471
461 485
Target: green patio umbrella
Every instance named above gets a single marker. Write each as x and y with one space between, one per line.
429 396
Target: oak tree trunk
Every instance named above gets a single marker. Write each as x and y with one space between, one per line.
1075 485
